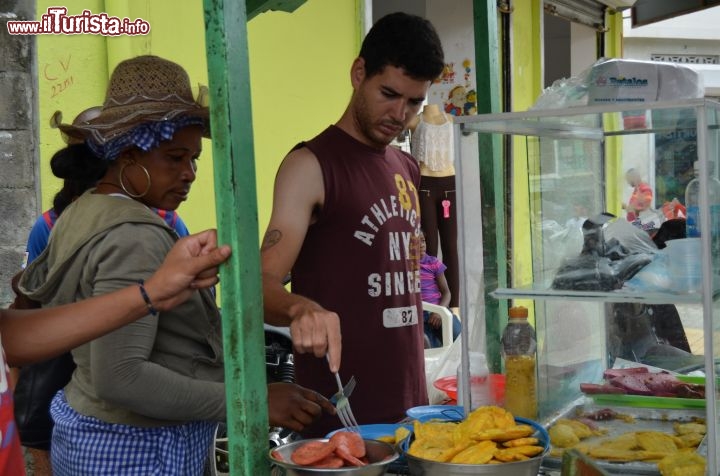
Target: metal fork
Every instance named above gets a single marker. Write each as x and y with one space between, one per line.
342 404
347 390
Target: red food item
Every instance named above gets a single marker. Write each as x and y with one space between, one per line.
612 373
596 388
690 390
349 446
277 456
331 462
312 452
633 384
602 415
662 383
351 440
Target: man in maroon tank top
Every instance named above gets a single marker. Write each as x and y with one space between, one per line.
345 223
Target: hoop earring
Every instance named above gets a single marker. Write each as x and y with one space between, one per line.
122 184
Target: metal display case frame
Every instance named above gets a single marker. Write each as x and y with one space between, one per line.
571 153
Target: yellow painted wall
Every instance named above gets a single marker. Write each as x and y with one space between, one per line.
299 77
72 72
527 74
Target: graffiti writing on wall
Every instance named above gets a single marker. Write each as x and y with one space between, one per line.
58 75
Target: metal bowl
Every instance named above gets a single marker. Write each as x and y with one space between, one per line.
529 467
379 455
424 467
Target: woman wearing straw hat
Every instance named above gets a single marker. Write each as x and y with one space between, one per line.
146 398
37 383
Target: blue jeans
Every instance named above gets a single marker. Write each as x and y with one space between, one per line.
435 335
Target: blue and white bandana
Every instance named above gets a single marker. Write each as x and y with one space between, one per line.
146 136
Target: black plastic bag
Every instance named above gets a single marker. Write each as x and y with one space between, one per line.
612 253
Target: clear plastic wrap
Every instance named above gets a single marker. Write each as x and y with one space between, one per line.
615 80
613 252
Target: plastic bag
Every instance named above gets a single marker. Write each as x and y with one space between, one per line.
615 80
655 277
613 252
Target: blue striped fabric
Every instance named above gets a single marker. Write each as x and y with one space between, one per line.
86 446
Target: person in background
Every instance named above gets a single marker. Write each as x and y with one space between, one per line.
39 334
435 290
641 198
345 220
146 398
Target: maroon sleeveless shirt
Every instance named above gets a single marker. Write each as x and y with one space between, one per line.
360 260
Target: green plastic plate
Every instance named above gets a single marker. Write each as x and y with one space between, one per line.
647 401
653 402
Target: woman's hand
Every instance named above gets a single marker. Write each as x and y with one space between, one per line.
294 407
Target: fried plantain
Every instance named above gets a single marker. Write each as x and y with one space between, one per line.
656 441
579 428
684 428
691 440
682 464
479 453
521 442
563 436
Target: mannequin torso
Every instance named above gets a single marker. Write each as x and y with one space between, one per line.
432 115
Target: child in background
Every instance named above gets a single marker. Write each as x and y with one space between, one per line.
434 289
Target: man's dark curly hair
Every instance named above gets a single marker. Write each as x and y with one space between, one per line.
405 41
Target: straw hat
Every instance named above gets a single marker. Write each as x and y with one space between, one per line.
142 89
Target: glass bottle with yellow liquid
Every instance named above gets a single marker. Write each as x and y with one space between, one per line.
518 350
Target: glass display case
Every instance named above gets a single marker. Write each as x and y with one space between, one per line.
594 197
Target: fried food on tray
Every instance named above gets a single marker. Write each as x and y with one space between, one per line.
521 442
579 428
692 427
691 440
682 464
614 454
563 436
401 433
479 453
656 441
626 441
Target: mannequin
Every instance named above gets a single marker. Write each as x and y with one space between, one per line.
432 144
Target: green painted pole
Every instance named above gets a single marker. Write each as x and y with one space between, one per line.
491 177
236 199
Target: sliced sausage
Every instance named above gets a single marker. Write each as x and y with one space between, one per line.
350 440
331 462
312 452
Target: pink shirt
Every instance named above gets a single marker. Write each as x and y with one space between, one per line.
11 458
